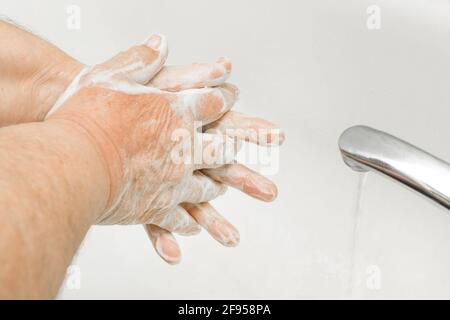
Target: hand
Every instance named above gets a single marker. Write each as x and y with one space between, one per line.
234 175
186 77
133 128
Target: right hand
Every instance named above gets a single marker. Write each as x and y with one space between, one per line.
139 64
134 127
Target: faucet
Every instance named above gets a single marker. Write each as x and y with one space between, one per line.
364 149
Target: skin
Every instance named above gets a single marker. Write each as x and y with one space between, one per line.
65 192
61 194
136 144
34 73
242 178
111 143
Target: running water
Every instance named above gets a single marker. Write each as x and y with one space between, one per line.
357 216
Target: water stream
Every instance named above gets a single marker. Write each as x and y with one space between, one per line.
357 217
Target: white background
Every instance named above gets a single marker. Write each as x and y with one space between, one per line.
315 68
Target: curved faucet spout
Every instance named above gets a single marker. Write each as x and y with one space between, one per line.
364 148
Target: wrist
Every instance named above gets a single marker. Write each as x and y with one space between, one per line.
50 82
89 162
104 156
34 74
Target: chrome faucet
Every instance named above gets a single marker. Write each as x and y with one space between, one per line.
364 149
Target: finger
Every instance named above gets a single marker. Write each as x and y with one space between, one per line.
248 181
214 150
209 104
165 244
246 128
177 221
219 228
202 189
198 75
139 63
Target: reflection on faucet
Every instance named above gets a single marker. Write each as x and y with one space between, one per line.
364 148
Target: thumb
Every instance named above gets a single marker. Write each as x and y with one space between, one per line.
141 62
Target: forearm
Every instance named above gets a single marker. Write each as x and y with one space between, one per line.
52 186
33 74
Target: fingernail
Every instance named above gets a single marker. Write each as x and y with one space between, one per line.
168 249
226 63
277 138
260 188
154 41
234 89
225 234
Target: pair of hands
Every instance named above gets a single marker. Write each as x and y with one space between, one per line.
137 113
